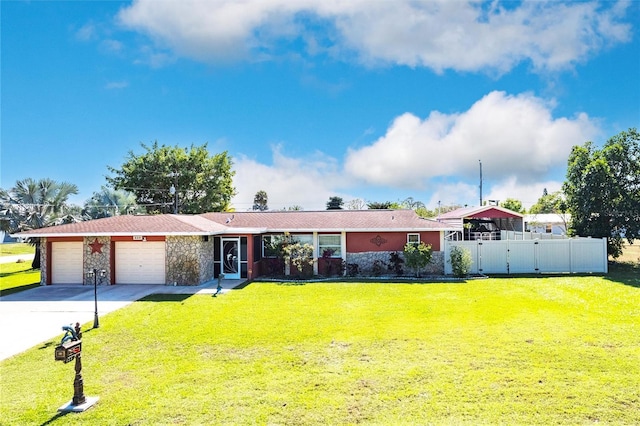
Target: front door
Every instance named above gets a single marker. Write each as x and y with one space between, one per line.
230 258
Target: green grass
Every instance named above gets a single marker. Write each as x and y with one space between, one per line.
16 277
556 350
10 249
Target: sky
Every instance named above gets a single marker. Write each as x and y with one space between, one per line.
377 100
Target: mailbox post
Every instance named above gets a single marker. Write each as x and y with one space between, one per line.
70 348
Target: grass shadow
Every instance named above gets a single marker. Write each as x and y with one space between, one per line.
13 290
627 273
159 297
55 418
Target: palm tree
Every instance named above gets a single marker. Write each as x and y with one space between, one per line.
110 202
34 204
260 201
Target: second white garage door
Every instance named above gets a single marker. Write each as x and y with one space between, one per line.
140 262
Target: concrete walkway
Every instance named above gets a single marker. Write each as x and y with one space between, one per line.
31 317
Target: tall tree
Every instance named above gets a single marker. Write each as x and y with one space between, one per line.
110 202
411 204
384 205
603 190
32 204
356 204
513 205
174 179
549 203
260 201
335 203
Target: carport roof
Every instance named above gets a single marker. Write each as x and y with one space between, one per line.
495 212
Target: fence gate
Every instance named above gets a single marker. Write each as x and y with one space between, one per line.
574 255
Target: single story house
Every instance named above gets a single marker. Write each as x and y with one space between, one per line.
193 249
547 223
481 223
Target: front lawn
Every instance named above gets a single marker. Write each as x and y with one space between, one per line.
10 249
17 276
558 350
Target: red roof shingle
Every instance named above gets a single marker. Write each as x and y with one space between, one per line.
246 222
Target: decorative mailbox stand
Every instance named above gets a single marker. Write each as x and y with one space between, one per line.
70 348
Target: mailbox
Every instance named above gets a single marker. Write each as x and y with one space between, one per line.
67 351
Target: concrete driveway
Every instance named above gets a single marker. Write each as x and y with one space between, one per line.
31 317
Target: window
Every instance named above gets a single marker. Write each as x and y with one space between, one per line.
271 245
302 239
331 243
413 238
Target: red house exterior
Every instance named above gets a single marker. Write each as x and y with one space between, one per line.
194 249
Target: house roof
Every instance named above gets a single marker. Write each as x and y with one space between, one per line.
167 224
559 218
480 212
245 222
327 220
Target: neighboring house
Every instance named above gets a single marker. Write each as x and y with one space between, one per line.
548 223
193 249
481 223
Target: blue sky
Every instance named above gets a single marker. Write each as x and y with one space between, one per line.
374 100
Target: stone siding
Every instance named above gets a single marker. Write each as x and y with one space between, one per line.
206 260
43 261
183 260
375 263
99 259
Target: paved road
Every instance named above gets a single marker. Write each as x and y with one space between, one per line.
16 258
31 317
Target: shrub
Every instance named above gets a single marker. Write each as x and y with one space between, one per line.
353 269
460 261
378 267
395 263
300 255
417 256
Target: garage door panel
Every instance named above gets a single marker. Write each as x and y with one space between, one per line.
66 265
140 262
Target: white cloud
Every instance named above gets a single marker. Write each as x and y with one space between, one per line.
440 34
307 182
528 194
115 85
512 135
87 32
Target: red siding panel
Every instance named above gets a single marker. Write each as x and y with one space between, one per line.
358 242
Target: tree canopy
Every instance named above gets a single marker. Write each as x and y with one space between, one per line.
335 203
32 204
603 190
549 203
260 201
513 205
383 205
110 202
174 179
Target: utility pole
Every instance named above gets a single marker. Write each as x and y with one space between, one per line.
174 190
480 161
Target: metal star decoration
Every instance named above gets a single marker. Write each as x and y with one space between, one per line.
96 247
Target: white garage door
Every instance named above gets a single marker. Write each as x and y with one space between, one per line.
66 263
140 262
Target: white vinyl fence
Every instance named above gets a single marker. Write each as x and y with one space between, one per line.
571 255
